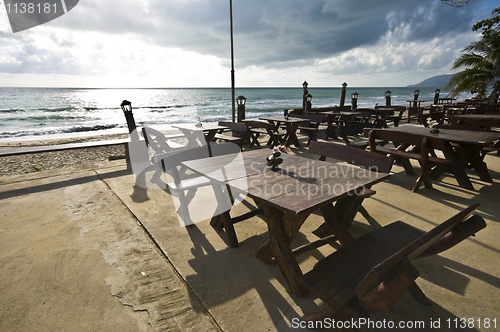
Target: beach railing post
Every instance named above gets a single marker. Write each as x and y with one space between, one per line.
308 102
304 95
436 96
342 96
134 135
388 98
415 97
129 116
241 108
354 101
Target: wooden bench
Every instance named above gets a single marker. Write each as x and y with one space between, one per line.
421 152
258 128
238 130
396 115
355 156
371 273
354 130
329 120
311 128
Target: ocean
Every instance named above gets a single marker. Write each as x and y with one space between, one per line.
38 113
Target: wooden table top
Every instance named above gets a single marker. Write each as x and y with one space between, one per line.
291 119
300 185
484 117
203 127
452 135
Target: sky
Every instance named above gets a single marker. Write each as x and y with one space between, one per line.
277 43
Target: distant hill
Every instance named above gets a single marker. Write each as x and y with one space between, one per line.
433 82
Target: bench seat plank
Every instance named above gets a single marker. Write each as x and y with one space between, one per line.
371 273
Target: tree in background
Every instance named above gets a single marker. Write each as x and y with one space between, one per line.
481 60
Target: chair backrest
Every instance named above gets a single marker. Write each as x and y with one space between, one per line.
378 273
156 140
352 155
170 157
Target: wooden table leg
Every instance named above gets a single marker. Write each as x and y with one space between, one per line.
471 154
456 167
229 229
291 226
280 246
291 129
334 221
224 217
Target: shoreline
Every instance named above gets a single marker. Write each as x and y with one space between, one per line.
29 163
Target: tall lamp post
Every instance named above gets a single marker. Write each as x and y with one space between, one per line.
232 59
388 98
241 108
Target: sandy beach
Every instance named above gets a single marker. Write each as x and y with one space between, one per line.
21 164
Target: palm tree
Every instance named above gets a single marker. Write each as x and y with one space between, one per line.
481 60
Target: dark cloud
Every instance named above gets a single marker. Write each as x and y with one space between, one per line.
267 32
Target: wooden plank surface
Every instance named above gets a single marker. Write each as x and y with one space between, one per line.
300 185
452 135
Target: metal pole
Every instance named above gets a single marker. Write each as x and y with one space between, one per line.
232 60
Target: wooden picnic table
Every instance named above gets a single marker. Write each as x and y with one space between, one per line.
288 196
446 100
466 149
291 124
415 102
380 115
345 118
478 120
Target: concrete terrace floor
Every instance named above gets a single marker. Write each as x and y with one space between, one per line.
84 249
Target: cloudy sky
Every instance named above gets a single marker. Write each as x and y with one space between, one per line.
186 43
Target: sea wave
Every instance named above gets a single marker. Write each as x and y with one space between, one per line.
12 110
57 109
44 117
78 129
40 131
